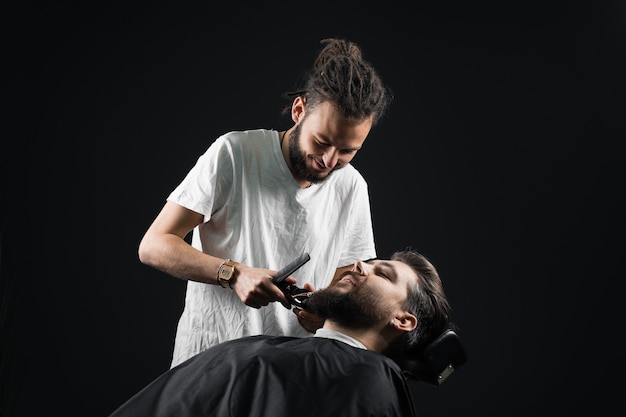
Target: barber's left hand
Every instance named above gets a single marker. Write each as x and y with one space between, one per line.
309 321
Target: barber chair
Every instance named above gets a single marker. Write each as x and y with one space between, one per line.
436 362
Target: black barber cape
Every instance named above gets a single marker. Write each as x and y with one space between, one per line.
270 376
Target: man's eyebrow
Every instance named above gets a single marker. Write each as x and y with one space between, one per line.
386 264
381 263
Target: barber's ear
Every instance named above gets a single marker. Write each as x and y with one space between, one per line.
406 322
297 109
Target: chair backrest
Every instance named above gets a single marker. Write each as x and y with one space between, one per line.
437 361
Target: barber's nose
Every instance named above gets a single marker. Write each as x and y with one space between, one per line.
330 158
359 266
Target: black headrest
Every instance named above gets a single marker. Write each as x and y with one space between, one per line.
436 362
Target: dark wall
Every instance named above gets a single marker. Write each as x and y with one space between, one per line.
500 159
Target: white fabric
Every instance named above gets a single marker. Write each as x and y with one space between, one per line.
333 334
261 217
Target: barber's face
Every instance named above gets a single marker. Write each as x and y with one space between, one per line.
371 294
323 141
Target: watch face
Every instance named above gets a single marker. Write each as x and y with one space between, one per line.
227 272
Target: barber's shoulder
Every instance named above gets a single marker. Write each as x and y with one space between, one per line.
238 146
235 135
246 137
347 179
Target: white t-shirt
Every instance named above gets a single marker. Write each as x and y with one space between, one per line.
257 214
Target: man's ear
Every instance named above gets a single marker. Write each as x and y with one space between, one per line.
406 322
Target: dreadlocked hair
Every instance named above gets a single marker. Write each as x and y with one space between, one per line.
341 75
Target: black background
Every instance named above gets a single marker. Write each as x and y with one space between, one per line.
500 159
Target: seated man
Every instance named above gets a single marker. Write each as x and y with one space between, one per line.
377 308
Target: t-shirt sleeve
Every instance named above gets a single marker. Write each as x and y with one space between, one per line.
203 188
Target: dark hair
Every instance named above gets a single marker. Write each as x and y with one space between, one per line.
426 300
342 76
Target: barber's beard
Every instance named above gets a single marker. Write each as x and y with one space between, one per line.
298 160
356 309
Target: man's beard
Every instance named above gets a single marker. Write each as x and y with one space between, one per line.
298 160
359 308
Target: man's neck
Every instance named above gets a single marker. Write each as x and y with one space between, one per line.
335 335
368 338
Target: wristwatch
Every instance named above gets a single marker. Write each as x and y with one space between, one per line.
226 272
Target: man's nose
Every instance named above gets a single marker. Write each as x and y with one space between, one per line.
359 266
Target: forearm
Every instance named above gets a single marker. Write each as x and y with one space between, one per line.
174 256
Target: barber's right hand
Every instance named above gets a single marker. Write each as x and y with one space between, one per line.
255 288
